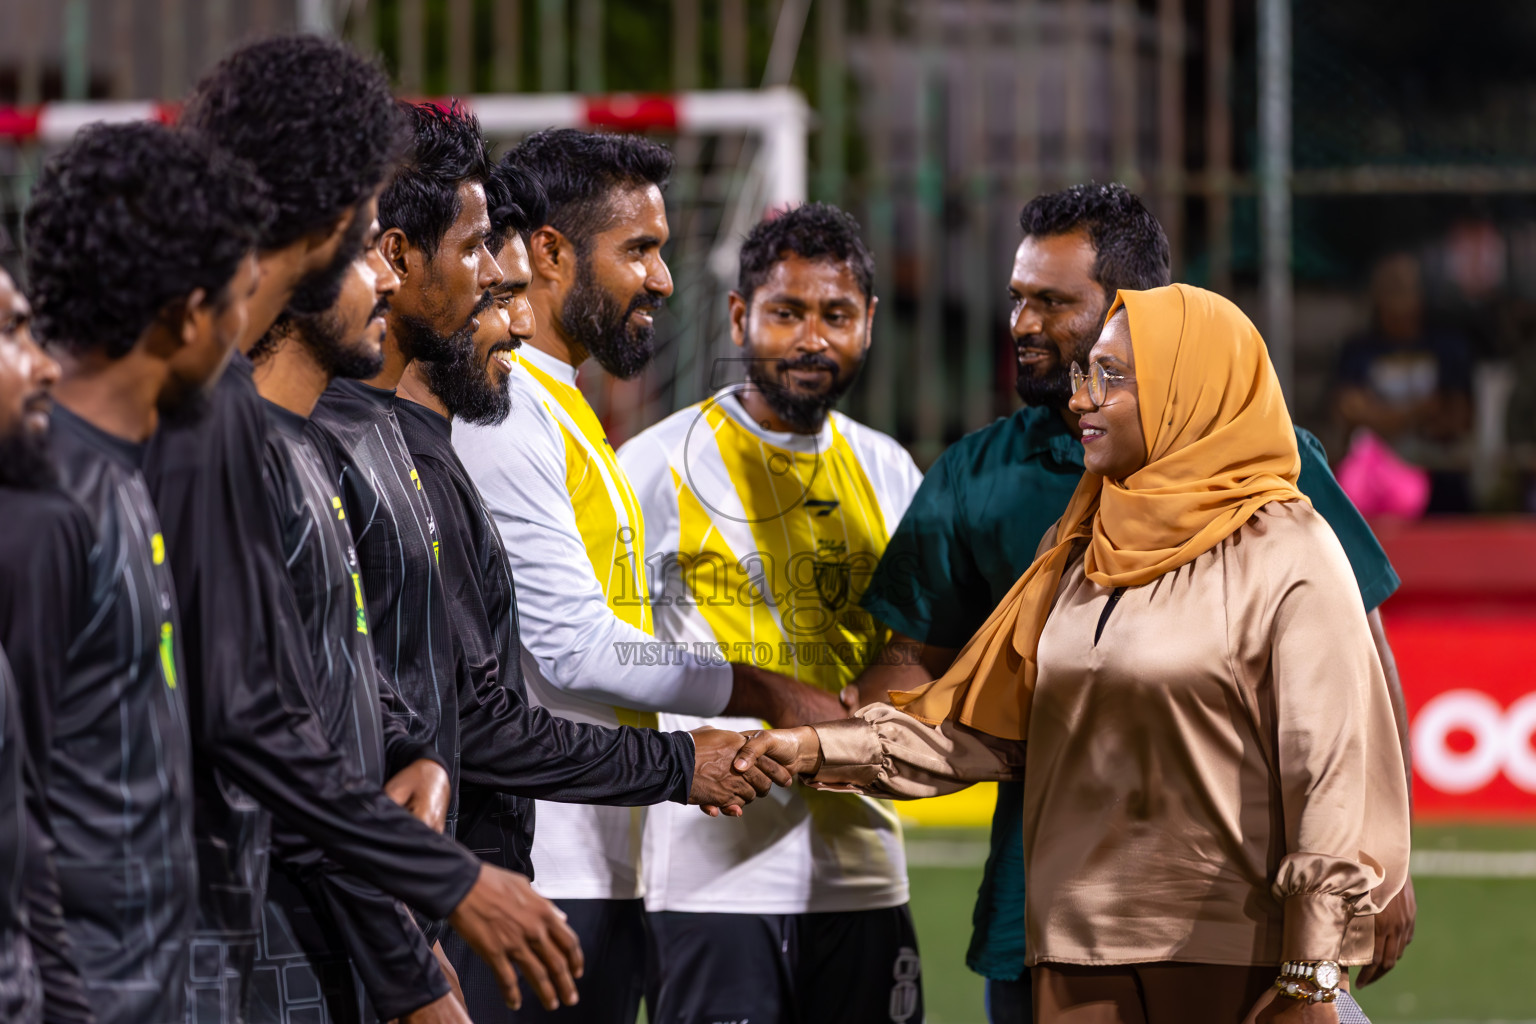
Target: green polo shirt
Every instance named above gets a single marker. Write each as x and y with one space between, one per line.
969 534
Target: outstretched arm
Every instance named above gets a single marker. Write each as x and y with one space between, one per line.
883 752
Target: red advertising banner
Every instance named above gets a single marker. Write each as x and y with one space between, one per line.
1470 680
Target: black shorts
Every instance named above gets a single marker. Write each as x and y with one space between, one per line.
612 934
855 967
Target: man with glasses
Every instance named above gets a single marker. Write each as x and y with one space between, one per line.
974 524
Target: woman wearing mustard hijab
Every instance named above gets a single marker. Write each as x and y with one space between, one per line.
1214 796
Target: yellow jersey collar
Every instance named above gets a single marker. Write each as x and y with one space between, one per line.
809 443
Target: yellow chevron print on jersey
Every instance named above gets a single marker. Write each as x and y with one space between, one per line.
608 515
785 571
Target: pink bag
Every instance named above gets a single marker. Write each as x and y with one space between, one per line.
1379 482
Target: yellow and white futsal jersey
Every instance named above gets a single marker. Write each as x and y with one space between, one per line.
575 539
760 545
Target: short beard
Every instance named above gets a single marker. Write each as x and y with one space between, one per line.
25 462
1054 390
804 413
464 387
593 319
323 334
319 291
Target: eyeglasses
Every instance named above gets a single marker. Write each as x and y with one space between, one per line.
1098 379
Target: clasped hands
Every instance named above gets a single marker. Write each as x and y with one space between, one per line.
732 769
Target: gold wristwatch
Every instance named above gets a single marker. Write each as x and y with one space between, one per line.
1313 981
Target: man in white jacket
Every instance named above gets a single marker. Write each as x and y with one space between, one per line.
575 535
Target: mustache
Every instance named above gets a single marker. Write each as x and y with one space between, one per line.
38 401
380 310
810 361
647 300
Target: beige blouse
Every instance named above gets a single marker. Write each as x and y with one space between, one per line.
1215 779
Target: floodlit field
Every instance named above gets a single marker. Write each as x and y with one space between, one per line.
1472 960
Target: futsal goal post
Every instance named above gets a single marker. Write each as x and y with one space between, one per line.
740 154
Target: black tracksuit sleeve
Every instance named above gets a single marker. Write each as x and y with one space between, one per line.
45 581
389 952
64 1000
391 956
508 744
400 747
519 748
248 708
44 597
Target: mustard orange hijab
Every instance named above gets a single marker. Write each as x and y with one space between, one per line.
1219 445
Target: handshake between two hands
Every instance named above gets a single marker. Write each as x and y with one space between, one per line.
732 769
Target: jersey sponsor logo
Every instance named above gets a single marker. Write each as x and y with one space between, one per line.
157 549
167 651
821 507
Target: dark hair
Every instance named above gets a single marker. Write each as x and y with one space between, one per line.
422 197
814 231
128 218
581 170
1130 249
314 118
516 200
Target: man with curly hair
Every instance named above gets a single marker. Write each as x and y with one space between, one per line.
319 125
97 647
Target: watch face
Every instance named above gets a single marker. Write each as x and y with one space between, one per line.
1327 975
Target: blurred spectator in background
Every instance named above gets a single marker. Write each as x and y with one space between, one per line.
1409 382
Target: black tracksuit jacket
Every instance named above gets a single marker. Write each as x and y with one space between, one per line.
92 631
317 915
254 731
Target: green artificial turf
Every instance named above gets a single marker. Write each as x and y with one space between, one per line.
1473 957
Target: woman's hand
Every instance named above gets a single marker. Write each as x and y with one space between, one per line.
798 750
717 787
1274 1008
1394 930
